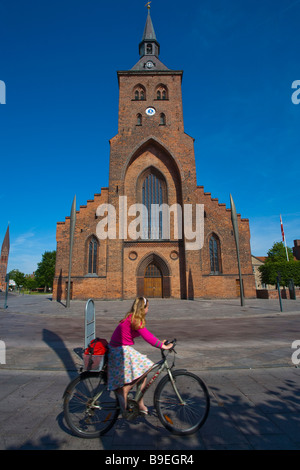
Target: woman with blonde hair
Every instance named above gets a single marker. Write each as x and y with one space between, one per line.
125 364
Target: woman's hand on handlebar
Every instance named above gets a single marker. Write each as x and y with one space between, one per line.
168 345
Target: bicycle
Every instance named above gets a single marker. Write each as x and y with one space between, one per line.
181 400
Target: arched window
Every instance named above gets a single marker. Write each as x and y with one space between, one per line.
149 48
153 195
139 119
92 255
139 93
215 255
162 92
162 121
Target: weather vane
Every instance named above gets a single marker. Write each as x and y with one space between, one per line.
148 5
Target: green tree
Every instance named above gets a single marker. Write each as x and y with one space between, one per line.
30 282
278 253
277 264
18 277
44 274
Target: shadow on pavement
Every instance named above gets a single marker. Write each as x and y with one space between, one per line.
55 342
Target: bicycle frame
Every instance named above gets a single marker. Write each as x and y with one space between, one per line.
161 366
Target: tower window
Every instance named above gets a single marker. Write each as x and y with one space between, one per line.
139 93
162 92
149 48
139 119
162 119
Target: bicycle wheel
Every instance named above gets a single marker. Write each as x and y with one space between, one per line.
86 417
186 413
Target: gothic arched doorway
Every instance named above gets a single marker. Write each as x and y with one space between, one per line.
153 277
152 281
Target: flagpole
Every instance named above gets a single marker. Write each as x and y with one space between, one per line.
283 239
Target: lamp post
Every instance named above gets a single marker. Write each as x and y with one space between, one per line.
236 236
278 279
6 289
72 230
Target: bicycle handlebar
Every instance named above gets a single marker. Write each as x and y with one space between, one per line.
163 351
173 341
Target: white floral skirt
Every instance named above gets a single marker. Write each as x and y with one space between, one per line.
125 365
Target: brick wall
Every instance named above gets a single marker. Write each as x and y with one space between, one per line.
273 293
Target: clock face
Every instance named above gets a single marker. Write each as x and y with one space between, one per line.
150 111
149 64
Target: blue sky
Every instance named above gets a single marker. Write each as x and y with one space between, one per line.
59 61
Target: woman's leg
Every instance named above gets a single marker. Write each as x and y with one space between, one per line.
123 394
142 405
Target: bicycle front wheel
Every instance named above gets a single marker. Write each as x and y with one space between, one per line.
183 407
90 409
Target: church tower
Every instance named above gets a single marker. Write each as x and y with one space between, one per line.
152 164
4 260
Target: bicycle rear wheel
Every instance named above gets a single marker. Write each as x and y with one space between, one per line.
184 412
86 417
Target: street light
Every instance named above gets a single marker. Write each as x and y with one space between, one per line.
72 230
236 236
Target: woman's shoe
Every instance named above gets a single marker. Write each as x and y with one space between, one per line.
144 412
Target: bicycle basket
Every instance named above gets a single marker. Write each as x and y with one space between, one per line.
95 354
93 362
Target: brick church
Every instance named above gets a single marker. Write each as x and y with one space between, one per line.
152 162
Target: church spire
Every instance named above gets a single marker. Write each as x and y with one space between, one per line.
149 45
149 48
4 260
6 244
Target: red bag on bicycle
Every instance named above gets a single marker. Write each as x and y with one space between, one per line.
95 354
97 347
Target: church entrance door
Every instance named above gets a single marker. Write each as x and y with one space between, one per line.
152 281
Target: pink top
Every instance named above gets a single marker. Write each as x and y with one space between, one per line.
124 335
